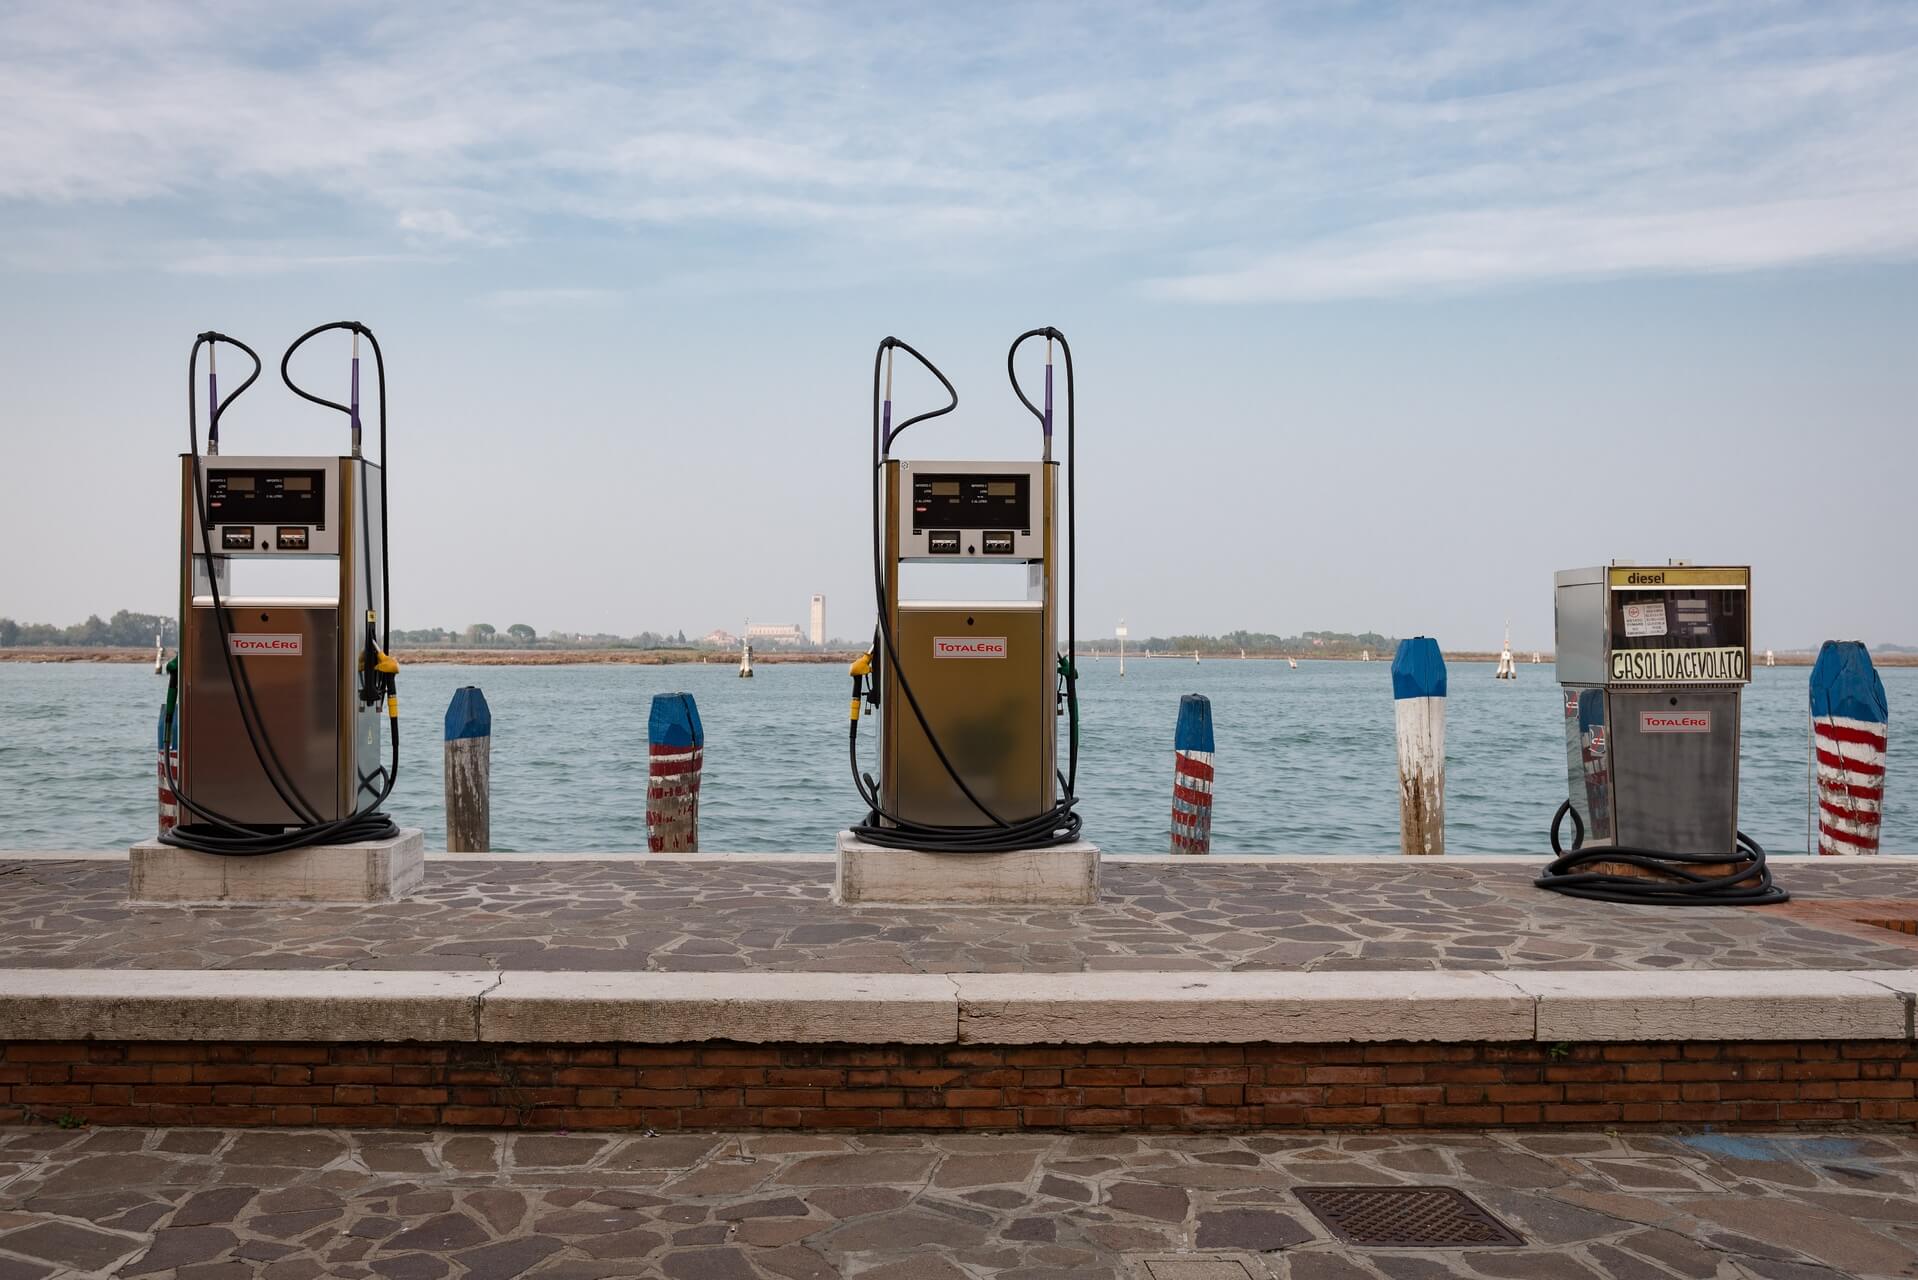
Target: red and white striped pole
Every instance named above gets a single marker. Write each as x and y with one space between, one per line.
676 750
1850 730
1192 776
169 763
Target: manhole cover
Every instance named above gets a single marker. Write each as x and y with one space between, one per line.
1405 1217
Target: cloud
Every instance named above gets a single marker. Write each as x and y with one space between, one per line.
1225 152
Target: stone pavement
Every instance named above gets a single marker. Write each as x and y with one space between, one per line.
745 913
209 1204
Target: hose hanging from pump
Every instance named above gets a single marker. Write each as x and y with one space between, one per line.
219 833
1670 880
1060 824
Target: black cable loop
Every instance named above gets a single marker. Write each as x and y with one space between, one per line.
1670 883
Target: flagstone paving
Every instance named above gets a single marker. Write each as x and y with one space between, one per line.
751 914
206 1204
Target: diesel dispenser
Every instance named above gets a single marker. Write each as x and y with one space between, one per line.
969 691
1652 662
283 675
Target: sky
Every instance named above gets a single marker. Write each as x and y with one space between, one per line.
1381 313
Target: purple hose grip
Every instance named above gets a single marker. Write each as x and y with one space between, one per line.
1048 422
885 421
356 392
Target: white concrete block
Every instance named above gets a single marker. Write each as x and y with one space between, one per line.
1712 1004
372 871
239 1004
1065 875
1239 1008
660 1008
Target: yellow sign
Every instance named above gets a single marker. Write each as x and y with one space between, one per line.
1651 579
1679 666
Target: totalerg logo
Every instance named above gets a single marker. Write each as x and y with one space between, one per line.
968 646
1674 722
256 644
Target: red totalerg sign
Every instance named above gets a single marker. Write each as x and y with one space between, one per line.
255 644
1674 722
968 646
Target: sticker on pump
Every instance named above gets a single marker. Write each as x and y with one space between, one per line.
968 646
1674 722
257 643
1646 618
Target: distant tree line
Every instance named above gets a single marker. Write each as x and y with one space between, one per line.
1306 642
124 629
484 635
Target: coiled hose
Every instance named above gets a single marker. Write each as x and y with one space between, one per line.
1671 879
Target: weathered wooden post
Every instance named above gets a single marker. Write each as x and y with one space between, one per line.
1850 730
1192 776
469 772
676 747
1418 692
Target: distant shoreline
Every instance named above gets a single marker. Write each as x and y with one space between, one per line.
773 657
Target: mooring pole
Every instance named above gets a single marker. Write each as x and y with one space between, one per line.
676 751
1418 692
1192 776
469 772
1850 730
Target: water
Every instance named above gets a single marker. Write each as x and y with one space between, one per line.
1306 758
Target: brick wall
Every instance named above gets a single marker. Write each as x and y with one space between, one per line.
800 1086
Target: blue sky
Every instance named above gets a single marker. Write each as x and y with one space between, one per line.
1382 313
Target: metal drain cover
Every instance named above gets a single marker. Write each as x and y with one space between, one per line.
1405 1217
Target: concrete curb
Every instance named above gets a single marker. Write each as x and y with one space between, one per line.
1239 1008
1537 860
1060 1008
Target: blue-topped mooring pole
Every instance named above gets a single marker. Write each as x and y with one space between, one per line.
676 751
1850 731
1192 776
469 770
1418 693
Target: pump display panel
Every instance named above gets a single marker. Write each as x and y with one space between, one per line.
950 501
978 511
266 497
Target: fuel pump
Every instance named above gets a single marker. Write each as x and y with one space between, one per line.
1652 662
969 691
284 672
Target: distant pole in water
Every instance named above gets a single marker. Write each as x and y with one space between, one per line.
676 754
1769 661
1850 731
159 656
1507 668
1122 635
469 772
1192 776
1418 692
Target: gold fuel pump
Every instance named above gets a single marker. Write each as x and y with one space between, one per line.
284 667
969 691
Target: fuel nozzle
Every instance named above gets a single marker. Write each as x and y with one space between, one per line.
379 672
861 668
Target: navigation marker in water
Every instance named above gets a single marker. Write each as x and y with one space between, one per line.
1192 776
1849 733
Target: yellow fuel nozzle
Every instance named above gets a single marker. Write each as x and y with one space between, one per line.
388 665
392 706
861 666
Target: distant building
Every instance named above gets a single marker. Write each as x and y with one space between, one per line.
817 631
720 638
768 634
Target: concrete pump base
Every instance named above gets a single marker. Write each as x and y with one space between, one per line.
372 871
1064 875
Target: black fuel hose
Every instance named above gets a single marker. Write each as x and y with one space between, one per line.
1670 881
1058 825
219 833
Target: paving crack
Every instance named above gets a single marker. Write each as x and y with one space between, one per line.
479 1006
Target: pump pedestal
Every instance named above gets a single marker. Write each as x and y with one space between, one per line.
1061 875
374 871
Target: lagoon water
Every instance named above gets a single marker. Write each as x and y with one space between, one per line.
1306 758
